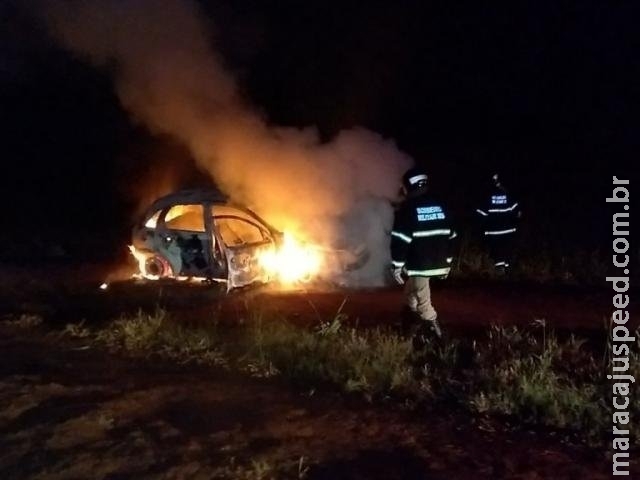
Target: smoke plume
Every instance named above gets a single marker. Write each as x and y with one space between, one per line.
170 77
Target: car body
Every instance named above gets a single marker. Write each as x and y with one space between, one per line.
198 233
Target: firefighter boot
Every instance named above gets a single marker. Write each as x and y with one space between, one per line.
429 329
435 329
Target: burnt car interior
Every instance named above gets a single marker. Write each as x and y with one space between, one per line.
198 234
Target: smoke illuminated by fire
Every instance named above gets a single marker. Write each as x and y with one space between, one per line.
168 76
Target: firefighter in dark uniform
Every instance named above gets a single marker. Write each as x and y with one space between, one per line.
420 246
499 216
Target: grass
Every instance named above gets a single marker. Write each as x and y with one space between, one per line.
146 334
24 321
534 261
261 469
371 362
532 379
526 375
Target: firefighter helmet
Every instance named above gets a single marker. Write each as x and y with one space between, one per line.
414 179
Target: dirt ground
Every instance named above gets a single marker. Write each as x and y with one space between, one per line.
463 306
70 411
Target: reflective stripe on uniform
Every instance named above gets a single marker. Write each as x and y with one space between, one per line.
500 232
500 264
453 235
499 210
401 236
482 212
429 273
450 259
431 233
397 264
416 179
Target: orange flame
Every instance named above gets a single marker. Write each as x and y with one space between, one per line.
291 262
141 258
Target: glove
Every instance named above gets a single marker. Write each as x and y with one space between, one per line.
398 274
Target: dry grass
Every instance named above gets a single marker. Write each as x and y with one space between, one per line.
528 375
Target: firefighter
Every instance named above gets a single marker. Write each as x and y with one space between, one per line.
499 216
420 245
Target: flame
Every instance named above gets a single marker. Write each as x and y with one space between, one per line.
141 258
292 261
289 263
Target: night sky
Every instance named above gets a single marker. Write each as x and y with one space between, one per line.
545 92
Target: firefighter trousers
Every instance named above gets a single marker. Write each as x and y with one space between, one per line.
501 248
418 295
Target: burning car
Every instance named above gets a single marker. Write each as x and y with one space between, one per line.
200 234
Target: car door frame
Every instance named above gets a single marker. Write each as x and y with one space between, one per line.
165 232
239 258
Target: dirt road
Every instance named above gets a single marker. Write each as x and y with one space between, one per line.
72 294
462 308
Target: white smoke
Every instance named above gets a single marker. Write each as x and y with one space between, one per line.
169 76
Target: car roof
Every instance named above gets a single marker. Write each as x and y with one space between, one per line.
188 197
195 196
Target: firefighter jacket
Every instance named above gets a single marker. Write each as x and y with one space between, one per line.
500 213
420 239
